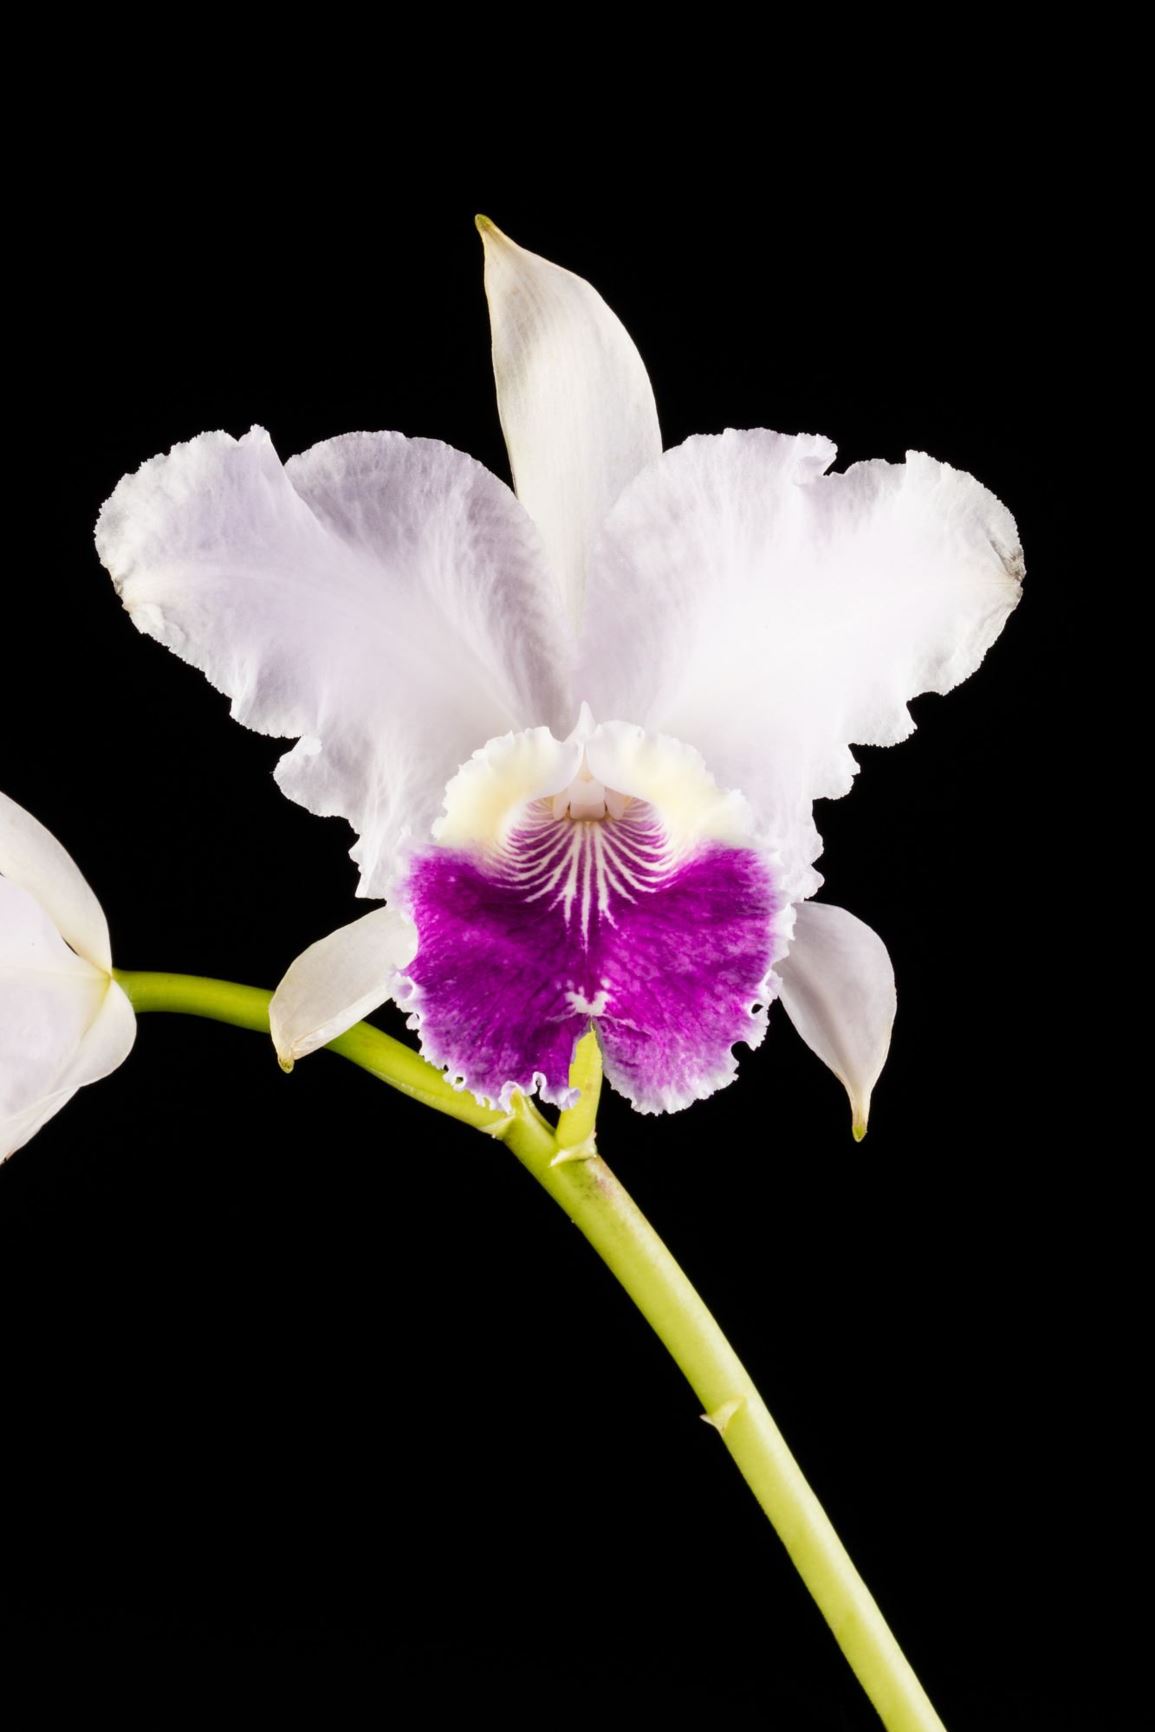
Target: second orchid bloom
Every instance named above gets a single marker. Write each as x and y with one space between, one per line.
579 728
64 1020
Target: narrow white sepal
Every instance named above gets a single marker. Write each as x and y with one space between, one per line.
338 980
577 408
31 857
838 990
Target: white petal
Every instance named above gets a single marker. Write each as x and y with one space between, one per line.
383 598
32 857
49 998
19 1128
576 404
838 990
63 1021
108 1042
338 980
772 614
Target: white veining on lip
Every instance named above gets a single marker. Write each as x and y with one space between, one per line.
583 864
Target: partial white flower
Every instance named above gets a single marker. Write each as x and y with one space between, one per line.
579 731
64 1021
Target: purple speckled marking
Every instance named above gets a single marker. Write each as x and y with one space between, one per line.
588 919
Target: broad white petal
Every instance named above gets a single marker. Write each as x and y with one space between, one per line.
32 857
838 990
63 1021
577 408
772 614
383 598
338 980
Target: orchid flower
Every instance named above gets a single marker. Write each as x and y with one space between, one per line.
579 727
64 1021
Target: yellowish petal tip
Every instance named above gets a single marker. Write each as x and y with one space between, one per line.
491 234
859 1129
286 1064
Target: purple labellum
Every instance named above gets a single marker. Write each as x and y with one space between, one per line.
590 919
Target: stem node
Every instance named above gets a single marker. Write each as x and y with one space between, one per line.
721 1416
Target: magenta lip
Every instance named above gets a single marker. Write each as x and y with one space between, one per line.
589 921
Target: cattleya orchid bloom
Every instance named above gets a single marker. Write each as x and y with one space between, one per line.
579 727
64 1021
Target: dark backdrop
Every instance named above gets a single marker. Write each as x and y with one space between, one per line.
306 1383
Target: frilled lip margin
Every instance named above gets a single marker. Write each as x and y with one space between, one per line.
574 923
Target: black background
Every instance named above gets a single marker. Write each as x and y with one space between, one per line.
307 1386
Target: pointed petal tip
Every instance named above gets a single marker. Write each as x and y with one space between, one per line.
859 1126
487 228
286 1062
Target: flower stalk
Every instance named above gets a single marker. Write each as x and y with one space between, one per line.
565 1163
369 1048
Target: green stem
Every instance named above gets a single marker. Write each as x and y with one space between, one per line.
579 1180
370 1048
597 1204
